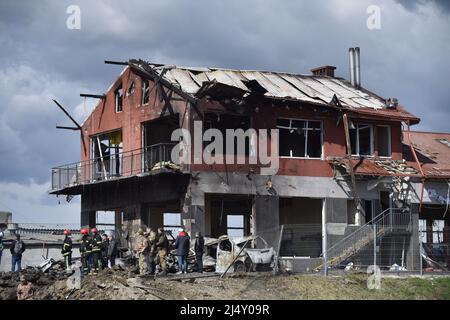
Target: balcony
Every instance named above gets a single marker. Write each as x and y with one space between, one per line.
149 160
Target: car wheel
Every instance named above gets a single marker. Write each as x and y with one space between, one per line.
239 266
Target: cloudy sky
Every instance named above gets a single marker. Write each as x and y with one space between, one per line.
41 59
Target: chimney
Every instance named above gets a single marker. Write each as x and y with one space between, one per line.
324 71
355 67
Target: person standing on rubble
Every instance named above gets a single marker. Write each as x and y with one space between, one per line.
96 250
112 250
17 249
66 250
199 248
85 251
1 246
182 246
152 252
141 251
25 289
162 246
104 250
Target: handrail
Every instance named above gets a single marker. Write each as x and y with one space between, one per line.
122 164
381 214
118 154
364 233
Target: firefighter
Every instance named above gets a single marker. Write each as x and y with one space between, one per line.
85 251
67 249
96 250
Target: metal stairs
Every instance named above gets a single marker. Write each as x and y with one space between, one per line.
387 222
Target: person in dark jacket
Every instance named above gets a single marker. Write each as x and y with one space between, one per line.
96 250
182 245
199 248
104 250
112 250
17 249
66 250
1 246
85 251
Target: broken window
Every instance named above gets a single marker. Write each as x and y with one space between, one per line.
145 91
384 141
131 88
423 230
438 231
118 94
222 122
300 138
235 225
361 139
172 222
369 210
107 154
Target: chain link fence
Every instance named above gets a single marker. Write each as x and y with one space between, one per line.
391 242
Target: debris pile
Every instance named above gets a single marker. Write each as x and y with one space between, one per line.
10 280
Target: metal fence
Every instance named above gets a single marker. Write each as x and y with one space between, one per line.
389 241
150 159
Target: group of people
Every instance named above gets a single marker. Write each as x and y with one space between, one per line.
96 251
100 251
152 248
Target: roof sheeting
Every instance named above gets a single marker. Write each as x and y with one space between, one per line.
433 152
308 88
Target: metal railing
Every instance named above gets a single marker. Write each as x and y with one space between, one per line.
389 221
152 158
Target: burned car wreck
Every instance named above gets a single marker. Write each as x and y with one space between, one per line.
243 254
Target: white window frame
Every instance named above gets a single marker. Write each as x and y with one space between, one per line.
143 81
389 141
116 100
357 125
306 137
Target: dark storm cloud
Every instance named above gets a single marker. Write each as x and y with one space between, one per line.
443 5
41 59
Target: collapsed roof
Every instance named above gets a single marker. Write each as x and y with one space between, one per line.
433 152
229 83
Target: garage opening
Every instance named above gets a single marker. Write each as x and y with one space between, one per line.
228 215
302 231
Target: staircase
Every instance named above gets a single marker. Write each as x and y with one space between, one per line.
387 222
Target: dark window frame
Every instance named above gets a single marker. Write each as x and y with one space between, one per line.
356 148
389 141
306 128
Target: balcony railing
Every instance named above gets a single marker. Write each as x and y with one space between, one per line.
153 158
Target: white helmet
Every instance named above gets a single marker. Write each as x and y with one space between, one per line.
1 234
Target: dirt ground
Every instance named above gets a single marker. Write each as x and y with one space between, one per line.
121 283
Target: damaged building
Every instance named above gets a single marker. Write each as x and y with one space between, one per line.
341 163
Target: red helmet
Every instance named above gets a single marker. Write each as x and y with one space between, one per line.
67 232
84 231
94 230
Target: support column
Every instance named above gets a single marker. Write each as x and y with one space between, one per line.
193 213
88 219
266 218
413 257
